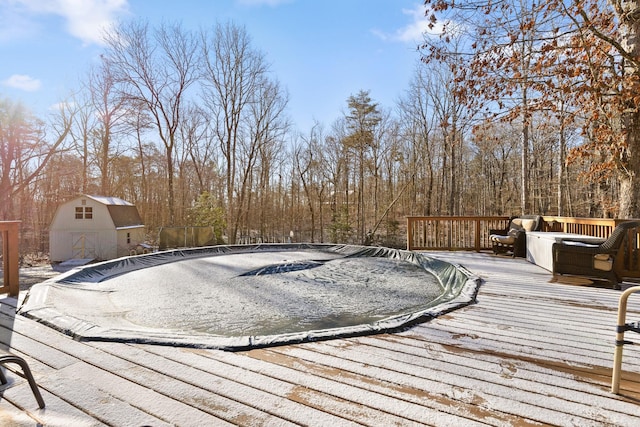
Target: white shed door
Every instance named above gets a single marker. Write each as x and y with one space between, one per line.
83 245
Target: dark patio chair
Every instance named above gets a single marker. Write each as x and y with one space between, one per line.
513 239
6 357
592 260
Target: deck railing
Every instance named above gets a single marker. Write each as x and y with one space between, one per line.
467 233
597 227
471 233
10 257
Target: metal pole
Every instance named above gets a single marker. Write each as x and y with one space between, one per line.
620 342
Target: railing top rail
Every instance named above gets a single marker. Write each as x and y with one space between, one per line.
9 225
458 217
546 218
584 220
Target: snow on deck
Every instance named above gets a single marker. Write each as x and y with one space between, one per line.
531 351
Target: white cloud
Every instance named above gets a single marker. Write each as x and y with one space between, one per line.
22 82
412 32
84 19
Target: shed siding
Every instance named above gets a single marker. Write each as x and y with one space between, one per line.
109 242
125 245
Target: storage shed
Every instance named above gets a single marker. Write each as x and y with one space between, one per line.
94 227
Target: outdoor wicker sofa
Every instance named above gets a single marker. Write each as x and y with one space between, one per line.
591 260
513 238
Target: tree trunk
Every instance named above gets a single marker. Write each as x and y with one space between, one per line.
630 182
562 171
630 179
170 187
524 173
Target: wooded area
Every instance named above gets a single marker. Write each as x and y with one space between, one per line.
527 108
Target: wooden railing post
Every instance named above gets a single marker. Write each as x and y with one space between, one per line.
10 257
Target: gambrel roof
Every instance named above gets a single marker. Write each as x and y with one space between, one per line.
123 213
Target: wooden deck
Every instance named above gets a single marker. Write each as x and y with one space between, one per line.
530 352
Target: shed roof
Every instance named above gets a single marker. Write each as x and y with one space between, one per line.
123 213
109 201
124 216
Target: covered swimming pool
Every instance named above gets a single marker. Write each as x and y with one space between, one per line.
248 296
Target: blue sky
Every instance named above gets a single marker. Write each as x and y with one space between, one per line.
321 51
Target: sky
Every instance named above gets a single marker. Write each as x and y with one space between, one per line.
321 51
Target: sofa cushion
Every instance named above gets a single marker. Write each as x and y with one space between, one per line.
516 224
525 224
505 240
602 262
529 224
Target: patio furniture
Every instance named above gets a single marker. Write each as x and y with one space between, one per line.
581 258
540 245
6 357
513 238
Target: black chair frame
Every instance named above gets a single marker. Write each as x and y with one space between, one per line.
6 357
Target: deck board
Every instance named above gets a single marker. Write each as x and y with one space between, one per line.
436 401
468 385
531 351
260 404
312 386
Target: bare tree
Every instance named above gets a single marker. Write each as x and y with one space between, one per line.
109 111
25 149
234 73
268 125
384 161
416 114
308 156
155 68
200 147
